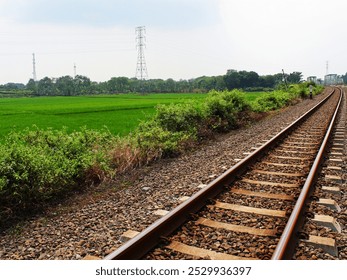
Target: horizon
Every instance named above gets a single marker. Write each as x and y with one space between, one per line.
194 78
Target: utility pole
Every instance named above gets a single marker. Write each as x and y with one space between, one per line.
141 68
34 68
327 68
285 79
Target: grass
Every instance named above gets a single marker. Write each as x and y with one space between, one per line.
121 114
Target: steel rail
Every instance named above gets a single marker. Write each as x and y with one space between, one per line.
286 246
141 244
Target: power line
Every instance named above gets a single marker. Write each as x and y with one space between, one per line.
141 68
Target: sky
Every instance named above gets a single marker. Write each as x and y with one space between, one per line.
184 38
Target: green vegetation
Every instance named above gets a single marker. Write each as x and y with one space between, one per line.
119 113
38 165
82 85
280 98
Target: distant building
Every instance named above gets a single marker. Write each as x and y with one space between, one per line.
340 80
330 79
312 79
333 79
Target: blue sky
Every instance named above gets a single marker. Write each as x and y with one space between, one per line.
106 13
185 38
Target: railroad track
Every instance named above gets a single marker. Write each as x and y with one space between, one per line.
252 211
324 232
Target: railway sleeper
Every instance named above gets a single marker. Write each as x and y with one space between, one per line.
330 203
202 253
333 190
325 243
327 221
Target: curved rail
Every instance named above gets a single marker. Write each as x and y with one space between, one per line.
137 247
286 246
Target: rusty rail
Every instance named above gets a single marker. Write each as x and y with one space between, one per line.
138 246
286 245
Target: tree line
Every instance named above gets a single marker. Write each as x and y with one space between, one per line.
82 85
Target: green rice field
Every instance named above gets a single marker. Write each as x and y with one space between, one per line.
119 113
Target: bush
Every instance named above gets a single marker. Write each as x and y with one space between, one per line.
299 90
179 117
155 141
302 90
175 126
317 89
38 165
272 101
222 108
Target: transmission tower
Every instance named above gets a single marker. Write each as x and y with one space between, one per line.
34 68
141 68
74 70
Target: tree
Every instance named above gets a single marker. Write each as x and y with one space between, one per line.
232 79
344 78
242 79
65 85
294 78
32 86
170 85
267 81
46 87
248 79
82 85
220 83
278 78
118 84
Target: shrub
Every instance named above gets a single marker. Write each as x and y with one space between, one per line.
178 117
317 89
222 108
302 90
154 141
38 165
299 90
271 101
